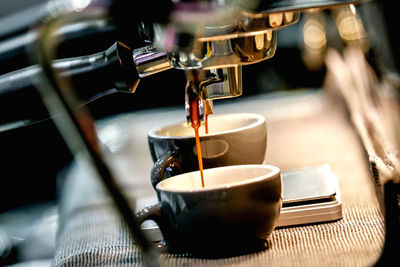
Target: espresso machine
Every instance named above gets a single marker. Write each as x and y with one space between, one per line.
209 41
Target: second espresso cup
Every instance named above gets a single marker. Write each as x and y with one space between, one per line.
233 214
233 139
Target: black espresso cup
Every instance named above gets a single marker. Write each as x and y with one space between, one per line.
233 214
233 139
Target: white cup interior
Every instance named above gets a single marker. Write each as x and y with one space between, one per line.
223 177
217 124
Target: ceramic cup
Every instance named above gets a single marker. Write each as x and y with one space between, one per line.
233 139
233 214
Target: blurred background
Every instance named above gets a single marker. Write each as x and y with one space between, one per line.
33 153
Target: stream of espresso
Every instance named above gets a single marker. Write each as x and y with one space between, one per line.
206 123
194 116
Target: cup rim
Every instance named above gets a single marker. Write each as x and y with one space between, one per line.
260 120
275 172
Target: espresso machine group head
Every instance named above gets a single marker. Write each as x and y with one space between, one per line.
211 41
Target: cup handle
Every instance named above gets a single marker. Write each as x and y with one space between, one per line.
169 164
154 212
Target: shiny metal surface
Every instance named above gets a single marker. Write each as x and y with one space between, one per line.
211 84
149 60
222 83
207 85
298 5
226 53
249 23
192 94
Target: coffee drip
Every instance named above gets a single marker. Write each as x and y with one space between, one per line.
195 114
195 119
208 109
197 110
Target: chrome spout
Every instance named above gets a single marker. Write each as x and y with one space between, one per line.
221 83
192 94
207 85
217 83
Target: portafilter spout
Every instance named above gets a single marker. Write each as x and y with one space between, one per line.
211 84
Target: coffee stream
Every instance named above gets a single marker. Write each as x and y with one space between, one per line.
194 117
206 122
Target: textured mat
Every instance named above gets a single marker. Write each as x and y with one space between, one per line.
303 130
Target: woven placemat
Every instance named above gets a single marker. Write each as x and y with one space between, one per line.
91 234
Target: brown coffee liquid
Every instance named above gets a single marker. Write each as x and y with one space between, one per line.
206 122
194 116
